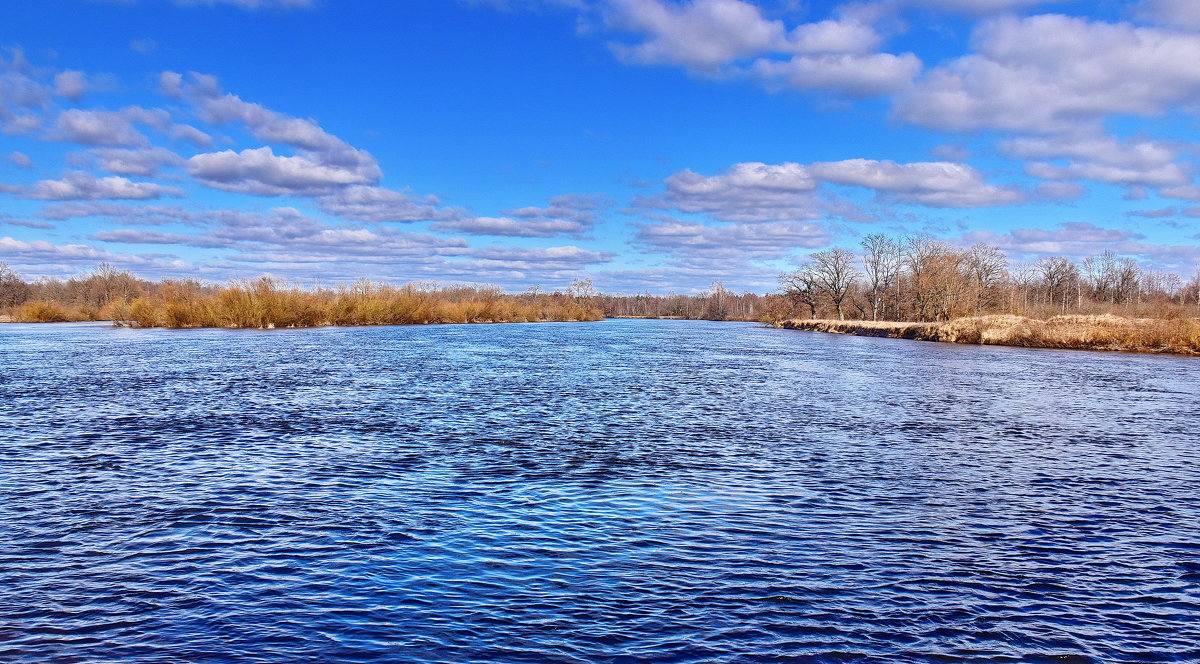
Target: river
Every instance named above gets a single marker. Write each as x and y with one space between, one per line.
623 491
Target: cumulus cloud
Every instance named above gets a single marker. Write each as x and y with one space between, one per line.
935 183
702 34
322 163
713 36
84 186
108 128
20 159
1054 73
366 203
121 213
573 214
145 162
1162 176
1179 13
847 74
751 191
1080 239
977 6
22 95
36 253
71 84
191 135
1101 158
287 235
505 226
739 241
762 192
567 259
260 171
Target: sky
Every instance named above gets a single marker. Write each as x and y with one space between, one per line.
648 145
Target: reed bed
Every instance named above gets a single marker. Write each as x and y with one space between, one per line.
1100 332
267 304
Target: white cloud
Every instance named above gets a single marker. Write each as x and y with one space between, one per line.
71 84
505 226
171 84
847 74
1080 239
763 192
572 214
751 191
1103 150
20 159
978 6
145 162
84 186
701 34
830 36
1161 176
260 171
551 260
20 253
379 204
1055 73
191 135
711 36
21 95
108 128
1179 13
738 242
129 215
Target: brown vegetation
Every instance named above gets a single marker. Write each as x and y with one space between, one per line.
918 278
1103 332
110 294
267 303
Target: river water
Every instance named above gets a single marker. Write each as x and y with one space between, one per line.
624 491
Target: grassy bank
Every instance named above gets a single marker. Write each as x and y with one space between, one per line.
266 303
1105 332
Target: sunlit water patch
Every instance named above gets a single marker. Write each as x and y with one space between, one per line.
626 491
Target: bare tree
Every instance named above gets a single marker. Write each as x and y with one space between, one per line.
1059 278
801 287
881 266
13 289
835 274
986 267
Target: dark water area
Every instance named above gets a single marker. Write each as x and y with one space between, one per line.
625 491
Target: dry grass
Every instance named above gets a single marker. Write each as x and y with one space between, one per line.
41 311
266 303
1099 332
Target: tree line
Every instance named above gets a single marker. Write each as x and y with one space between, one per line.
919 278
908 278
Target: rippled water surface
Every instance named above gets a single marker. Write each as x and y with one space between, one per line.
625 491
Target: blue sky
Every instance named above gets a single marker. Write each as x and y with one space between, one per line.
647 144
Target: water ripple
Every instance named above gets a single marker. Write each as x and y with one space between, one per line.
628 491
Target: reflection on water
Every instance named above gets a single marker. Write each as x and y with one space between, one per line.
623 491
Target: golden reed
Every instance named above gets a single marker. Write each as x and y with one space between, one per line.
1102 332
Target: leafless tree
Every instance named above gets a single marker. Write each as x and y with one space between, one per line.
881 267
986 267
13 289
801 287
835 273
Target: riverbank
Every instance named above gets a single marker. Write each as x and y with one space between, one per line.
1106 332
268 304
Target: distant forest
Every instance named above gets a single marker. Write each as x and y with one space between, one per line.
912 278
